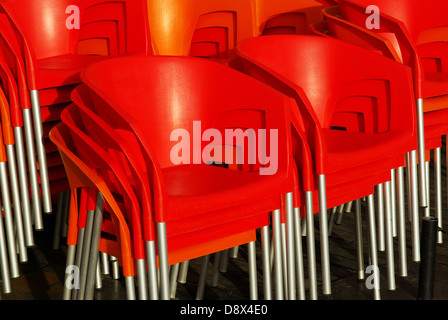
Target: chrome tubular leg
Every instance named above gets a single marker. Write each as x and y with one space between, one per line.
380 207
202 277
9 222
32 170
15 195
323 224
427 211
94 248
389 237
311 245
183 272
215 273
41 154
299 255
421 153
70 261
401 215
85 252
130 288
163 261
359 240
24 186
415 208
152 270
173 280
278 261
141 278
265 256
253 288
104 263
393 195
290 248
373 247
438 184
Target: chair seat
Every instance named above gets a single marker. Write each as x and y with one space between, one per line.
64 70
351 149
197 189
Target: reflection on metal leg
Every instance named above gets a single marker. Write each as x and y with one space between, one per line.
311 247
389 238
401 215
41 153
380 208
70 261
265 256
152 270
373 247
290 261
323 224
278 262
23 186
438 183
9 223
421 154
94 248
32 170
163 261
299 255
415 209
253 288
359 240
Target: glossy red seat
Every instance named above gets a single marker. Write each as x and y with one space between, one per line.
352 111
56 62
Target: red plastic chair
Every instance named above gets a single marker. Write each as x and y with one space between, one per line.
359 35
82 176
285 17
203 84
416 31
56 61
97 158
340 86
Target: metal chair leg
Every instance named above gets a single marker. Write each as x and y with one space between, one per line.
373 246
311 249
401 215
323 224
41 153
389 238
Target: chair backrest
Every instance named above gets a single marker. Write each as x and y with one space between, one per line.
183 91
205 28
99 159
336 85
408 25
82 176
285 16
123 146
349 32
51 26
422 19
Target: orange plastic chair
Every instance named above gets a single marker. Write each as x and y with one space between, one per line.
354 143
56 61
82 176
117 181
167 180
285 17
415 30
199 27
